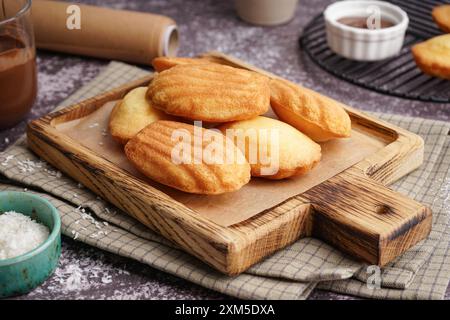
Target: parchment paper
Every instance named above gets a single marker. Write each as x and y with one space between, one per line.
230 208
104 32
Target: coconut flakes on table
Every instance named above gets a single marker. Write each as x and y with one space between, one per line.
84 215
106 279
19 234
109 211
75 234
53 173
97 234
7 159
75 277
99 231
29 166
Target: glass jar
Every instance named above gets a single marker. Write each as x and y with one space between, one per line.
18 76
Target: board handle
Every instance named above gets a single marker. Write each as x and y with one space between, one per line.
366 219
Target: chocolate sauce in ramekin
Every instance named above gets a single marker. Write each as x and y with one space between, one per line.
361 22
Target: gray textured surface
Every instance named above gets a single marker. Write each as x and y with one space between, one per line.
87 273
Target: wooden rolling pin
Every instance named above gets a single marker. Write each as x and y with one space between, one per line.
104 33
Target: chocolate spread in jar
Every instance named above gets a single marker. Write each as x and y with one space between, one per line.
18 84
361 22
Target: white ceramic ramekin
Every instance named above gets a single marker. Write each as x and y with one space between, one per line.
364 44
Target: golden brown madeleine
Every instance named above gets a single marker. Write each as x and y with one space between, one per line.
170 153
132 114
274 149
210 92
441 15
164 63
433 56
319 117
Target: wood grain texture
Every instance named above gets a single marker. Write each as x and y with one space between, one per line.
353 211
364 218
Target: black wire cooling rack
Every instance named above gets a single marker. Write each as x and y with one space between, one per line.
397 76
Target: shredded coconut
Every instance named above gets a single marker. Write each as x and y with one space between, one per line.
7 159
53 173
75 277
106 279
28 166
19 234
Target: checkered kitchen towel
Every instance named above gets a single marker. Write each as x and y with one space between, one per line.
421 273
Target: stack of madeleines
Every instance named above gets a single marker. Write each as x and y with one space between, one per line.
155 125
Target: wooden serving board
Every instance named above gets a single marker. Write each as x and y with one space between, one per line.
352 210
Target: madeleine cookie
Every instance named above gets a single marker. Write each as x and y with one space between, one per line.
274 149
319 117
170 153
210 92
441 15
433 56
164 63
132 114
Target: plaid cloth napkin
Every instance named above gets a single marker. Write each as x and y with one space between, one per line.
421 273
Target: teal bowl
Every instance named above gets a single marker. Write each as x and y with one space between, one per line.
23 273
